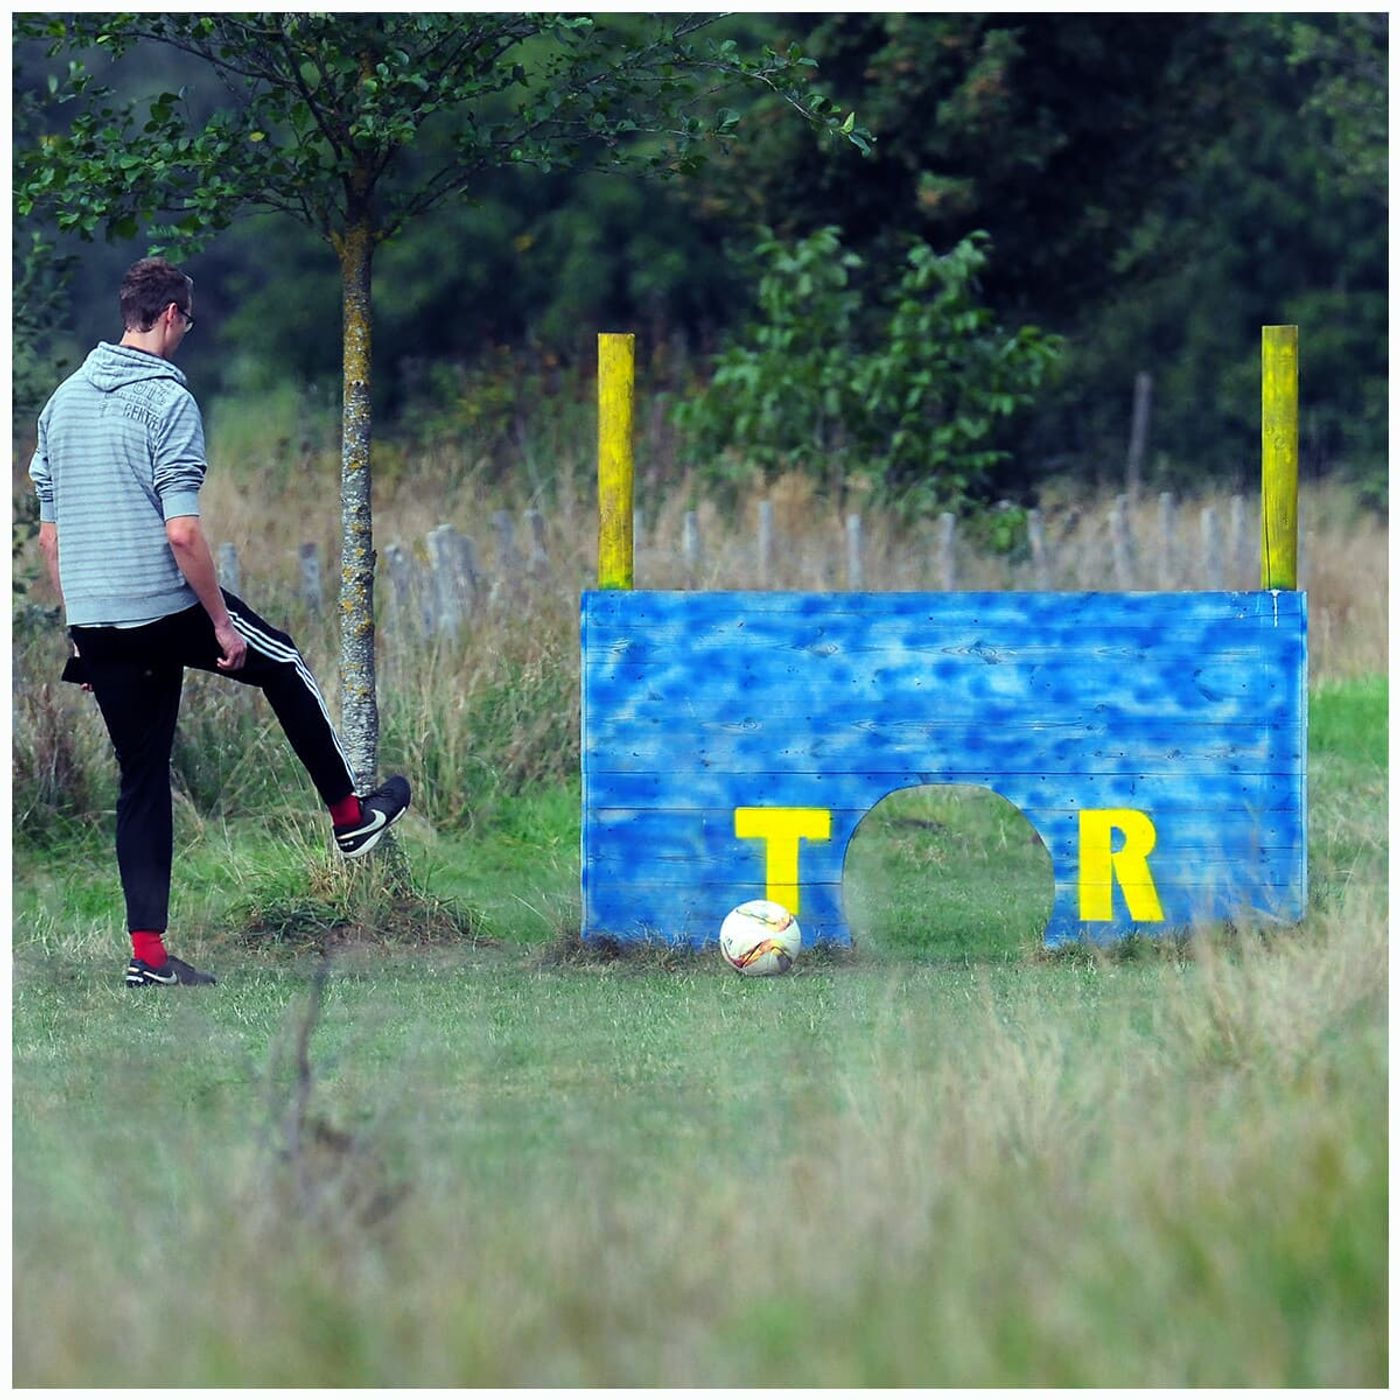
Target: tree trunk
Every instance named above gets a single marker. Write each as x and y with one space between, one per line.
359 709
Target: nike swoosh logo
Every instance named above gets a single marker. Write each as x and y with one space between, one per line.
156 977
379 820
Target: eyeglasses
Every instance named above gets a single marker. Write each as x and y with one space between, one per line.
189 320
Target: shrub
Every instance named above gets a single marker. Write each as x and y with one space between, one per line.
910 393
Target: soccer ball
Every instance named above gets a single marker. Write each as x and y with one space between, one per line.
760 939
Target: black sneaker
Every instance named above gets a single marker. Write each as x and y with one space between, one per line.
378 812
173 972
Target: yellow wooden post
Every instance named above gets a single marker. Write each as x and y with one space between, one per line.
1278 553
616 377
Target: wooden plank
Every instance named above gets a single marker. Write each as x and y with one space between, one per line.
656 646
651 845
708 840
1250 793
685 913
803 750
1183 869
946 684
738 605
713 830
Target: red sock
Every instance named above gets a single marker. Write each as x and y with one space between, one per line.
345 811
147 945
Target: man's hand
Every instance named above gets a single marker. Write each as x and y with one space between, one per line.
231 643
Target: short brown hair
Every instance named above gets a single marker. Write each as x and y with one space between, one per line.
148 288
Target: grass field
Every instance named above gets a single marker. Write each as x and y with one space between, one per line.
950 1160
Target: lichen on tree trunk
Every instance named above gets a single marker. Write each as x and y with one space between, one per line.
359 710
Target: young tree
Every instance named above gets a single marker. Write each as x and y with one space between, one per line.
322 122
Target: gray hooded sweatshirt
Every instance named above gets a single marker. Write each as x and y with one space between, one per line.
120 452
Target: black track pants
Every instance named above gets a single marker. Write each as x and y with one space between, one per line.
136 675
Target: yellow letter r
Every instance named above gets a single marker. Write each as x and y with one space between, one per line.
1100 864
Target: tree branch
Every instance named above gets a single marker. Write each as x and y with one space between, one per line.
307 96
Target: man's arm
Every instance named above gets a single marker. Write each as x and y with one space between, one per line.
42 478
178 471
48 547
192 554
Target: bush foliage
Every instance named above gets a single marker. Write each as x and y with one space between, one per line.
905 392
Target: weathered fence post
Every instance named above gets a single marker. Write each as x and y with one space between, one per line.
230 578
765 543
690 546
855 565
469 580
1040 564
1137 442
310 576
1241 575
442 559
1166 514
507 557
947 562
538 566
400 569
1210 548
228 567
1121 532
468 576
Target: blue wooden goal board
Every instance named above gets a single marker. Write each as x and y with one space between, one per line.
733 742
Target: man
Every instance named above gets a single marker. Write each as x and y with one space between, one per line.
118 467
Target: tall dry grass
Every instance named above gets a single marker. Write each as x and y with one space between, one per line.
1344 546
496 709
